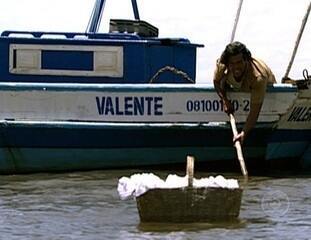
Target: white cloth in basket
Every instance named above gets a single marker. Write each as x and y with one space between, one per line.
138 184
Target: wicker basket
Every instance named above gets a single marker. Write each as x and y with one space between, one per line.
189 204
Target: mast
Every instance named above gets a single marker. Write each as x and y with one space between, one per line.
135 9
97 13
303 24
95 19
237 17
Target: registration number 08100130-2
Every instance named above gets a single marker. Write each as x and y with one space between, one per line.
207 105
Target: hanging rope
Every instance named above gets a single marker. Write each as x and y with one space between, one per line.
237 17
306 75
173 70
304 21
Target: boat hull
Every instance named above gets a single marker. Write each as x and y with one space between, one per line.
45 146
65 127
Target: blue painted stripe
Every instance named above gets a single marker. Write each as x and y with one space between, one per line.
290 144
8 86
290 135
106 87
288 149
116 136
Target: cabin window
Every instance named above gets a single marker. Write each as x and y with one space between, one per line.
66 60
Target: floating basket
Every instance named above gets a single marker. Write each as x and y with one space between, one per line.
189 204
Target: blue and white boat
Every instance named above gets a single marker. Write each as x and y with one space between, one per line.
83 101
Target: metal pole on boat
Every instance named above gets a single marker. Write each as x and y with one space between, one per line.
96 16
135 9
237 17
238 146
303 24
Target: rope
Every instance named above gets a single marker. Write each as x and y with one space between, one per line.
306 75
173 70
237 17
304 21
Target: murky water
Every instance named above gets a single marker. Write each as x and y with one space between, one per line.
85 205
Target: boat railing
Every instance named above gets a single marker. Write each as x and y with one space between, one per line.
122 36
70 35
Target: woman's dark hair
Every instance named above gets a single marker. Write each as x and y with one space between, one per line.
233 49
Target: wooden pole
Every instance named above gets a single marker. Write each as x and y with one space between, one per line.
189 171
238 146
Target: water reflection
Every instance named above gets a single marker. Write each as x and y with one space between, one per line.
191 227
86 205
